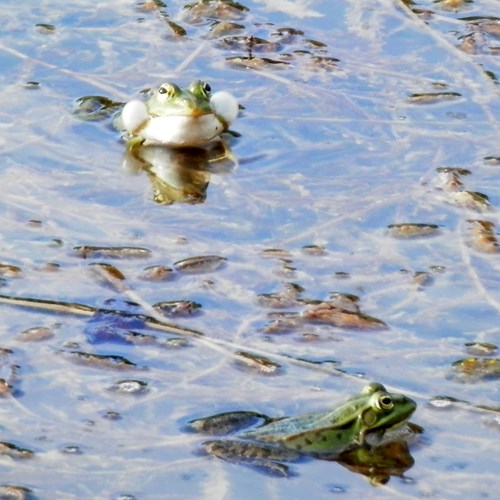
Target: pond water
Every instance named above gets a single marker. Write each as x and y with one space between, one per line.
365 162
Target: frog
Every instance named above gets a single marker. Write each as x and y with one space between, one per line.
178 117
368 419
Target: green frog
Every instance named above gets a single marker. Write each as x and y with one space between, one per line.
369 419
177 117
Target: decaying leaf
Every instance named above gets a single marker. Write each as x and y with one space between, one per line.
482 236
329 313
412 230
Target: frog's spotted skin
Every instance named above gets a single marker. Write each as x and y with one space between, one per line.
178 117
368 418
369 414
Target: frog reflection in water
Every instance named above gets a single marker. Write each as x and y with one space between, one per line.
369 419
176 117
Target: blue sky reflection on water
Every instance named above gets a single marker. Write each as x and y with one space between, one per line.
330 153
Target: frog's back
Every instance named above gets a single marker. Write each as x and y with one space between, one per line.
283 430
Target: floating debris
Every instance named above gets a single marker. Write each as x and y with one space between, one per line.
480 348
412 230
346 301
107 274
10 271
492 160
8 372
137 338
483 237
470 199
156 273
449 178
173 308
72 449
253 43
214 9
285 323
313 250
36 334
176 343
15 492
102 361
473 369
329 313
342 275
200 264
260 363
32 85
276 252
422 278
50 267
223 28
289 297
133 387
454 5
433 97
45 27
88 251
252 62
112 415
108 269
13 451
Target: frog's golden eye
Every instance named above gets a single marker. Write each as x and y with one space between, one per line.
385 402
166 91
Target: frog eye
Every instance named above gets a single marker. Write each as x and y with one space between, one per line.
166 91
206 88
384 402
